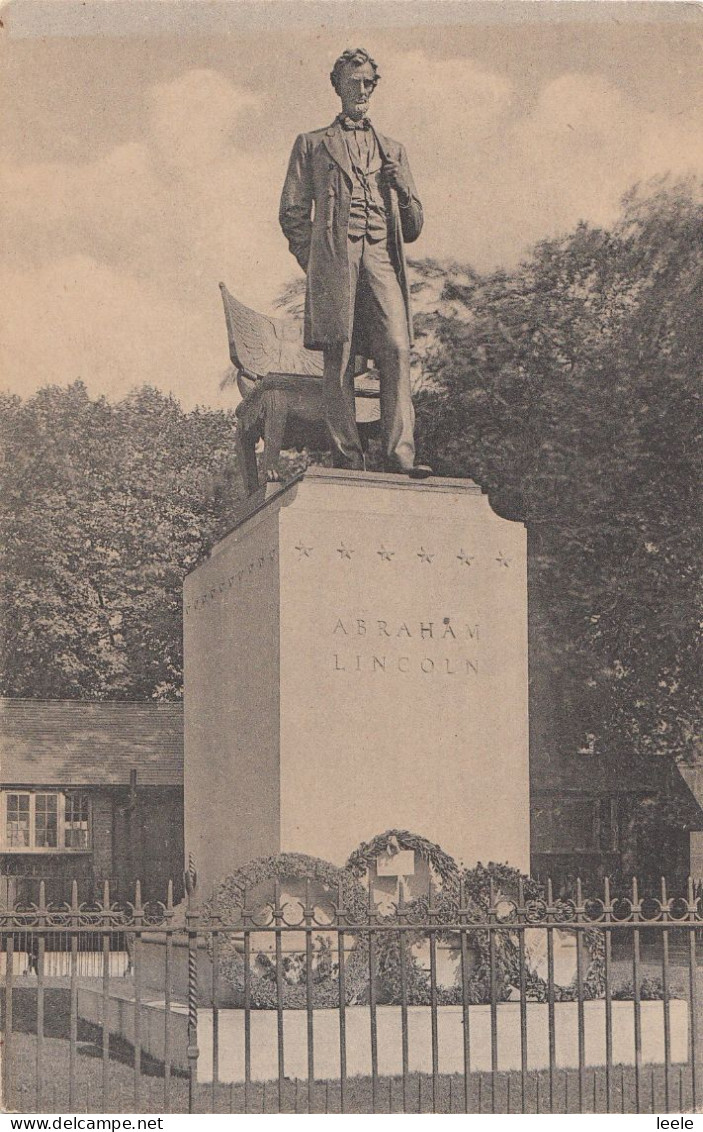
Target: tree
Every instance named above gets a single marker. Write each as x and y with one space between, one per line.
105 508
569 389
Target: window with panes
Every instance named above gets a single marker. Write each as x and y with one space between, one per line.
46 820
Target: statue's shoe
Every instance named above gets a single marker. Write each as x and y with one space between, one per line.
415 471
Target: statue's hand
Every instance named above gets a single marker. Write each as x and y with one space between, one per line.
394 176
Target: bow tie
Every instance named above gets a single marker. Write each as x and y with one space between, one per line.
350 124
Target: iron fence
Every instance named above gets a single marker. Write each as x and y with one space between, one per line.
503 1004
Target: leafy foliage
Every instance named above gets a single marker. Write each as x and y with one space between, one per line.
482 882
489 885
494 958
570 390
317 980
229 897
443 866
262 979
398 967
105 507
651 989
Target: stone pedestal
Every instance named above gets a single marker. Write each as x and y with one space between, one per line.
356 660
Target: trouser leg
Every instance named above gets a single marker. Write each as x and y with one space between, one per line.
338 382
390 344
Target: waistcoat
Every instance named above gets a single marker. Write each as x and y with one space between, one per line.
367 214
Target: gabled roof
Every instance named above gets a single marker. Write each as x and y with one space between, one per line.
72 743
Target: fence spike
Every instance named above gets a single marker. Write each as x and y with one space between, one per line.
635 891
106 895
689 888
579 899
137 894
42 894
550 891
74 895
521 892
663 890
169 896
606 888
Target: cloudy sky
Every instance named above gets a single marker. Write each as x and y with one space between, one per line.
143 148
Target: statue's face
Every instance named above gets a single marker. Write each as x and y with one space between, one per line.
356 86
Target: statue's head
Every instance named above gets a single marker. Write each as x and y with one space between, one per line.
354 77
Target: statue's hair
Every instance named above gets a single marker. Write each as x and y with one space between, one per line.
353 57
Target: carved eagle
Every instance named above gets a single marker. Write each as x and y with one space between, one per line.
268 349
261 345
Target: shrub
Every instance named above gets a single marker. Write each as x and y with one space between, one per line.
651 989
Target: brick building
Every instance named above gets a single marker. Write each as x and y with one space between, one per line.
91 791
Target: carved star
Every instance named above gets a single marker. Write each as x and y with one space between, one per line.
344 551
502 560
386 555
303 550
424 555
464 558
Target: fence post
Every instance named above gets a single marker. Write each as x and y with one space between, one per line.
73 1039
38 956
695 1020
8 1024
192 920
138 915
